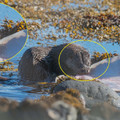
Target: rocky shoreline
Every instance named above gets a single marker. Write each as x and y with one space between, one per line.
71 100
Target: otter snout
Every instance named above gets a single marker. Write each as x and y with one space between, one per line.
85 70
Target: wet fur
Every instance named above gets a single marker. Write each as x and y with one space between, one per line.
74 59
41 63
33 66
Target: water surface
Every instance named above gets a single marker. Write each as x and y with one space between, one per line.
11 89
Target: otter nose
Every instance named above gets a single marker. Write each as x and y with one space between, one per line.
86 70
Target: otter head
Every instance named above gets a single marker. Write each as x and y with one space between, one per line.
75 60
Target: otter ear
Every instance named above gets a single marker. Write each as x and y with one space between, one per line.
48 61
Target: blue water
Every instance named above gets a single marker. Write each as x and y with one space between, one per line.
11 89
18 92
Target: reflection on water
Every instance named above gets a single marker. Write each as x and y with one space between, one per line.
17 92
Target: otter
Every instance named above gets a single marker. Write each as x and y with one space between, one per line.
41 63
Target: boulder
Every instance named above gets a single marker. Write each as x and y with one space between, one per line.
93 92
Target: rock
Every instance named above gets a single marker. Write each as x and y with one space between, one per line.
112 75
94 92
12 44
103 111
70 96
30 110
113 70
27 110
62 111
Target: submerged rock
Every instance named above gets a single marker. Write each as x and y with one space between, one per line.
94 92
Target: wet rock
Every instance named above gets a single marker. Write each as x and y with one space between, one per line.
94 92
62 111
28 110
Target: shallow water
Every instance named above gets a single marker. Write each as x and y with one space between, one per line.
11 89
17 92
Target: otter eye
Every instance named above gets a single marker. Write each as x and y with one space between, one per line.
83 71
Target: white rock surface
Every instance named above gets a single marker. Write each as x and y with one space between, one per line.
110 78
113 70
12 44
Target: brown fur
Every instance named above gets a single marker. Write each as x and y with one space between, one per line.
75 60
33 66
39 63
